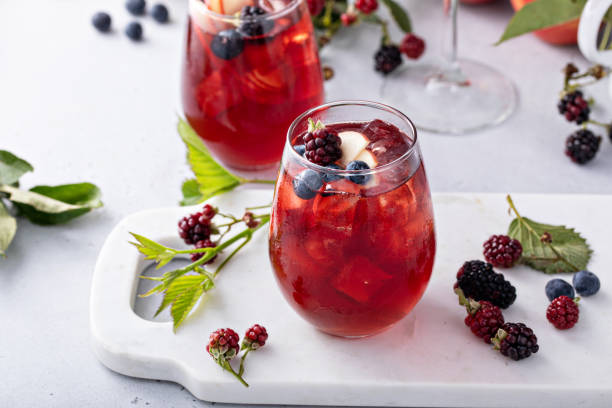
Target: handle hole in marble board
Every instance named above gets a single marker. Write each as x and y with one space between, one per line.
146 307
604 34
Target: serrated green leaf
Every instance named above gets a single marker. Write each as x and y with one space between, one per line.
542 14
12 167
568 251
211 177
47 205
191 193
399 15
177 287
8 228
184 303
153 251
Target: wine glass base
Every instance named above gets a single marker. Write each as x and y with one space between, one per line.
471 97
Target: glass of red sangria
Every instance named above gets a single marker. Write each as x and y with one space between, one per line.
352 239
250 67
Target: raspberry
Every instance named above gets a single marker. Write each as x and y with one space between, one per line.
582 146
563 312
255 337
574 107
348 19
516 341
196 227
366 6
223 345
483 319
412 46
315 7
502 251
205 243
479 281
322 146
387 59
249 220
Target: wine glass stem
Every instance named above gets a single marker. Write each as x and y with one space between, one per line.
452 15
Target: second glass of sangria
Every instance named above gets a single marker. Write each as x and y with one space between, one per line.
352 239
250 67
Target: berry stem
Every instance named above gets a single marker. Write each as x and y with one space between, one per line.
259 207
603 125
226 366
257 181
241 371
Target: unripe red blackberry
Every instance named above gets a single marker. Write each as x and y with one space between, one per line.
574 107
249 220
563 312
483 319
516 341
196 227
205 243
502 251
223 345
322 146
255 337
582 146
348 19
412 46
366 6
387 59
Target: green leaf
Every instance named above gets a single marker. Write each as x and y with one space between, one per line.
12 167
177 287
152 250
567 251
211 177
399 15
191 193
184 303
47 205
8 228
541 14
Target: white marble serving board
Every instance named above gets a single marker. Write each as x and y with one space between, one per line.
428 359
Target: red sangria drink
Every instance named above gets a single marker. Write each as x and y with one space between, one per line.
250 67
352 239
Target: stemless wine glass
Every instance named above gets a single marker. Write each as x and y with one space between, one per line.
353 250
457 96
246 78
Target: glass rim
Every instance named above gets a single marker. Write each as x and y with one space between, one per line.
199 6
343 172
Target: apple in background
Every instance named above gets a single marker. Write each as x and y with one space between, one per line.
562 34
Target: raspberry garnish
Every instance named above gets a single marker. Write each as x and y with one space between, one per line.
563 312
223 345
387 59
502 251
479 281
322 146
412 46
255 337
582 146
366 6
516 341
574 107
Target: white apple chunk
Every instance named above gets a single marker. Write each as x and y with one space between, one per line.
367 157
353 143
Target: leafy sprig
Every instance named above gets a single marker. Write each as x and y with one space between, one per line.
45 205
549 248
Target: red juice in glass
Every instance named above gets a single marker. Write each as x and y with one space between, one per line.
353 251
250 67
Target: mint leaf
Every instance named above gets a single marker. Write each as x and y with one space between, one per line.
211 177
47 205
541 14
8 228
12 167
399 15
567 250
152 250
191 193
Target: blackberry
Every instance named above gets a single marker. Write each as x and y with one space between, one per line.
387 59
134 31
223 345
563 312
366 6
159 12
502 251
322 146
253 22
516 341
255 337
574 107
479 281
558 287
582 146
227 44
195 227
586 283
205 243
412 46
101 21
136 7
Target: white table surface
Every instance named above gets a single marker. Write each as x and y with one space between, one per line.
83 106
